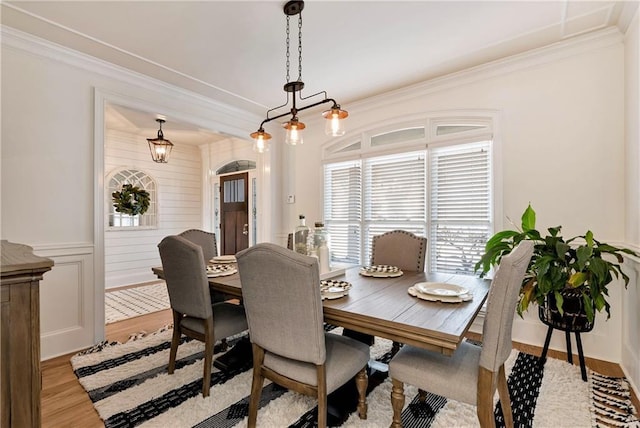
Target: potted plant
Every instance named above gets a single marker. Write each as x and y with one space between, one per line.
568 279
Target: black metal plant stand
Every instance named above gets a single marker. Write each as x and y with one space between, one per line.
574 319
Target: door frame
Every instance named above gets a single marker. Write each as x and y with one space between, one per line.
253 223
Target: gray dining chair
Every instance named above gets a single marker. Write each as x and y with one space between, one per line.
472 374
207 241
281 291
193 314
399 248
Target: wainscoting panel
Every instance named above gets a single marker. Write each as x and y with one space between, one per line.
66 299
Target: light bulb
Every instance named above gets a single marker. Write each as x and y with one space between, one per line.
334 126
261 140
260 144
294 131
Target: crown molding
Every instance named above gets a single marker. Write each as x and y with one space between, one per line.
25 42
535 57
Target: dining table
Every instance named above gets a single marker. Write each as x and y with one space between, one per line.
383 306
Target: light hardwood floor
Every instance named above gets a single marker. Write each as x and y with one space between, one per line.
66 404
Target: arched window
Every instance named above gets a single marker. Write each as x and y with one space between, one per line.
120 221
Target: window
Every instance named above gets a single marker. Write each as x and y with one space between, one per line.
116 220
442 192
460 206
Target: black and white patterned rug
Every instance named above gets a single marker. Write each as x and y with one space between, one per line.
136 301
129 386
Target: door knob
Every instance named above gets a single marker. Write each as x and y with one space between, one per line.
245 229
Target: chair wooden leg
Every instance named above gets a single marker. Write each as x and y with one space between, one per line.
361 385
256 385
487 381
395 347
322 396
175 341
208 356
505 397
397 402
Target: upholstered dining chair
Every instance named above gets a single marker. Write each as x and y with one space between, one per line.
193 314
281 291
399 248
472 374
207 240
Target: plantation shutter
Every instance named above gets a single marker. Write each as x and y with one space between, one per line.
460 206
395 195
343 209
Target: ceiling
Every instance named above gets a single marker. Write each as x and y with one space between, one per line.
234 51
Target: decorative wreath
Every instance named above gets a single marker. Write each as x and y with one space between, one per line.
131 200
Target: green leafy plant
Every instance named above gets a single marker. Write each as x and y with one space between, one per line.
131 200
558 264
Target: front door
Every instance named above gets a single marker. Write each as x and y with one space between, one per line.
234 207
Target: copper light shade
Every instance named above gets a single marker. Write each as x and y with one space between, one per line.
159 147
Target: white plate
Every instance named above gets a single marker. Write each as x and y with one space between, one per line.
224 259
445 299
441 289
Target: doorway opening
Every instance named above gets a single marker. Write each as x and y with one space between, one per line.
235 199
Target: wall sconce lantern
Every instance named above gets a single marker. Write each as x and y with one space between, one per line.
293 126
159 147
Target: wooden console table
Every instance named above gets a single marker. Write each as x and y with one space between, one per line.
21 381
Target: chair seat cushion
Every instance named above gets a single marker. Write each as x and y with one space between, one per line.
345 358
228 319
454 377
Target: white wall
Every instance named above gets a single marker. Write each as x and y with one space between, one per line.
52 169
130 254
561 129
631 302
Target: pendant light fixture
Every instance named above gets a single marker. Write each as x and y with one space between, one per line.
335 115
159 147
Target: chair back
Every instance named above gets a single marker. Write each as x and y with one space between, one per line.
186 276
207 240
501 306
281 296
399 248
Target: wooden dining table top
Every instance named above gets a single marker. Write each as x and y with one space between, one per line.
383 307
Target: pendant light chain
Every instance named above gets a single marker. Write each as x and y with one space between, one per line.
288 55
300 47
